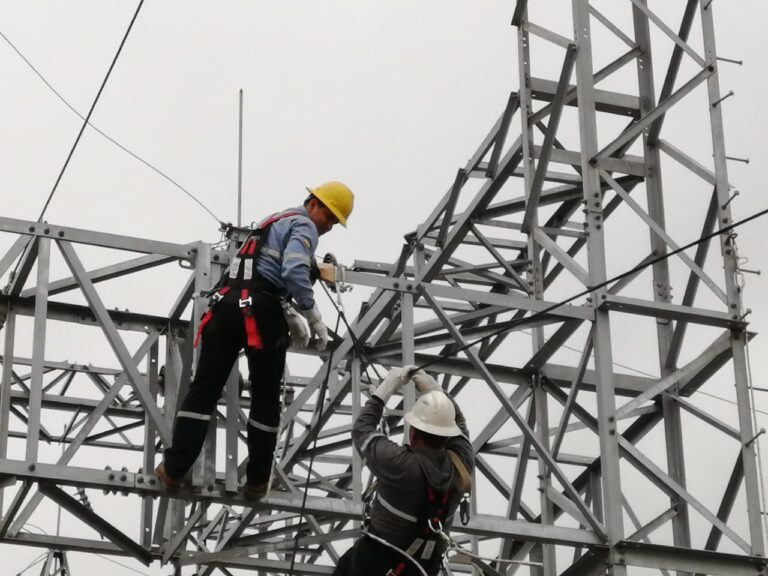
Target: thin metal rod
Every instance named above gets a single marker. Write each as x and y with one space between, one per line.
240 164
716 102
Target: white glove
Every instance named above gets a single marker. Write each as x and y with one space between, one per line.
395 379
316 327
297 329
424 382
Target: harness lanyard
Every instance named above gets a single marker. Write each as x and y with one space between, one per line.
215 299
452 546
383 542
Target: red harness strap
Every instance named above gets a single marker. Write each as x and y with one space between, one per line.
439 510
215 297
248 248
203 321
252 333
397 571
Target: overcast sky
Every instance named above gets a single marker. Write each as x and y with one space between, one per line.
390 97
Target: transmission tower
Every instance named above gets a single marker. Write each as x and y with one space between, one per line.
582 467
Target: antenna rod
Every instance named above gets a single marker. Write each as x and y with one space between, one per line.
240 166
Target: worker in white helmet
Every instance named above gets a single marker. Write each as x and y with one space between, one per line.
419 486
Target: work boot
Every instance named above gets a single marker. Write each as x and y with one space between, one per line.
171 484
255 490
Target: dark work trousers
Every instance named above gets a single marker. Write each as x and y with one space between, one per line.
222 339
370 558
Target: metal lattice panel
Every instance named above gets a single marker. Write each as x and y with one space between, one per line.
581 465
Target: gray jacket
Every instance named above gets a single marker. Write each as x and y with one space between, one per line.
403 474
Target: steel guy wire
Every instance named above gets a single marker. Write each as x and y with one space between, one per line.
93 106
104 134
79 134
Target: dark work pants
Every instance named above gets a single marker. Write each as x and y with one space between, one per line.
370 558
222 339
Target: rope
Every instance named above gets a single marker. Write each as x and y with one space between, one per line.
410 558
318 412
355 340
454 547
358 346
507 326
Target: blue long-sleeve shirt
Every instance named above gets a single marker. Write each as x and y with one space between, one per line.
285 256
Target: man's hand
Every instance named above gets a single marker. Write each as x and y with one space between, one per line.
297 329
316 327
424 382
396 378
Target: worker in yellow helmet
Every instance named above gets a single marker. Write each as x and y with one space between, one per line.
258 307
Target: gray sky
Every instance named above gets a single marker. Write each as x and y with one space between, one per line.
390 97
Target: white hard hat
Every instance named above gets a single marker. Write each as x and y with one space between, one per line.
434 413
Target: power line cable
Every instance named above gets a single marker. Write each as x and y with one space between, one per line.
510 325
90 111
104 134
655 377
121 564
36 560
507 326
86 121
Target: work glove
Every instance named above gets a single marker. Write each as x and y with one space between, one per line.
297 329
395 379
424 382
316 327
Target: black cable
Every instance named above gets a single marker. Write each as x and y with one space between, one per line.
506 326
319 411
104 134
355 340
77 140
87 118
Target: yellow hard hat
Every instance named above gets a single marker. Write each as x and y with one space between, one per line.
337 197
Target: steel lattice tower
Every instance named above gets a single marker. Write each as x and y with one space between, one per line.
581 466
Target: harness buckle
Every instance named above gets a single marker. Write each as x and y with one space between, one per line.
464 510
217 297
245 302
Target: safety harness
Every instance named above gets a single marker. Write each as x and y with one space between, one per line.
243 276
429 544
